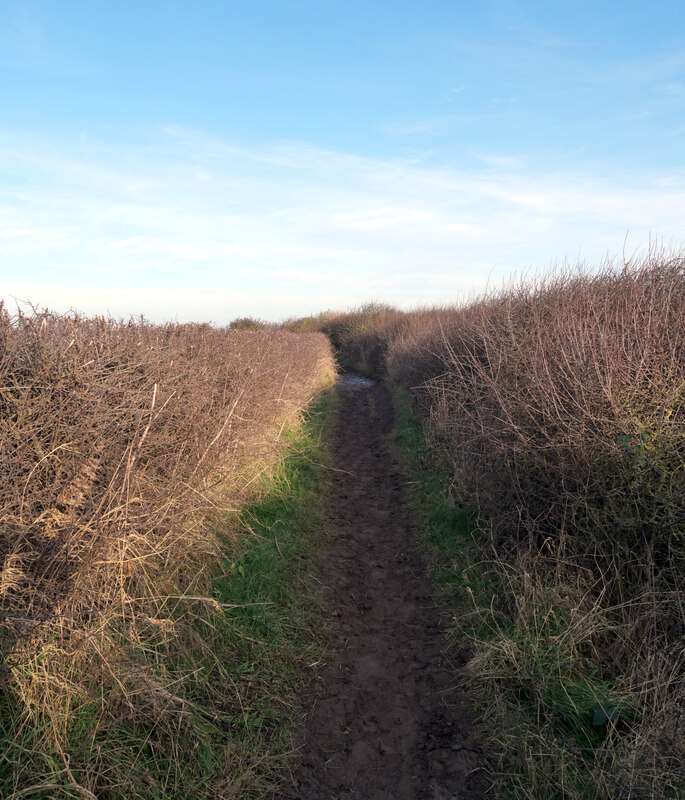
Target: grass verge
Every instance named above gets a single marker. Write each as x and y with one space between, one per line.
446 527
219 714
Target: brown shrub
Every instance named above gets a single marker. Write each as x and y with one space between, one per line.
360 337
559 404
116 441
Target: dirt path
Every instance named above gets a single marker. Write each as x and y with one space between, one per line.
386 721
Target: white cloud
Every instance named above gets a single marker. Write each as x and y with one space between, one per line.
196 227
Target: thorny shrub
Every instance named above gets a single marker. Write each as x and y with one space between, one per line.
116 441
559 405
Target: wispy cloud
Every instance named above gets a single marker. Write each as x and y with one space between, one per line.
194 226
644 69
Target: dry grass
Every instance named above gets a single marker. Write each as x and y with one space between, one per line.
559 406
117 441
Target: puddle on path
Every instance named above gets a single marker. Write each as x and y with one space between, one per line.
348 381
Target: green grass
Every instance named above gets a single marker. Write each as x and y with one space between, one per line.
447 528
235 673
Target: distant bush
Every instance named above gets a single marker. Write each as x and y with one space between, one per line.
249 323
311 324
360 336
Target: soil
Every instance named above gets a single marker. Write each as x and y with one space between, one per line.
386 719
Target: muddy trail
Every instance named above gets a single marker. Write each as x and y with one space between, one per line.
386 720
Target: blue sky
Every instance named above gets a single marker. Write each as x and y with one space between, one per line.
211 159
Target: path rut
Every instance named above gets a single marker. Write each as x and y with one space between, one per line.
386 720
